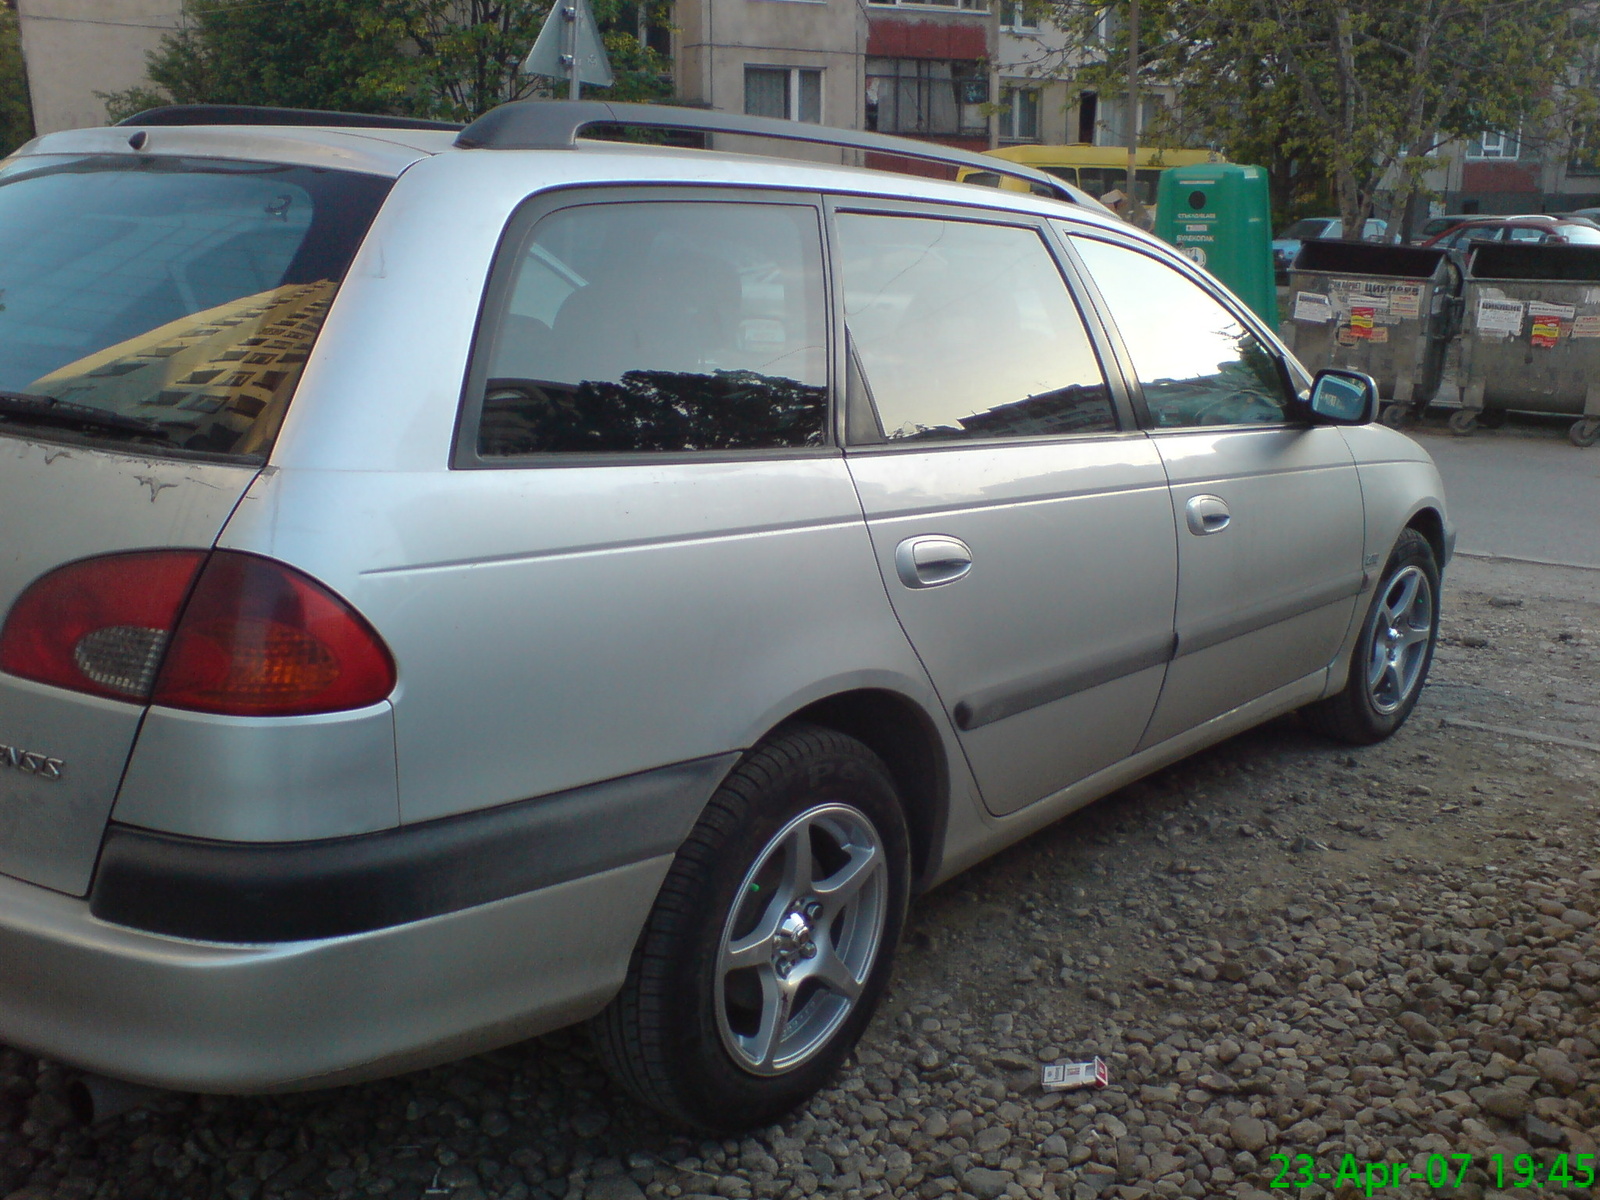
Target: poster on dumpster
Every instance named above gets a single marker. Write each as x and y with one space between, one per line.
1362 318
1499 318
1548 321
1586 326
1312 307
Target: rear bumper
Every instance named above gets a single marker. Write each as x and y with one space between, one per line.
216 966
195 1016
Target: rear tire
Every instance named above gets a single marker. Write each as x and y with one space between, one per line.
771 939
1392 655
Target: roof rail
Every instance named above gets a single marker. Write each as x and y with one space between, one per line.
556 124
245 114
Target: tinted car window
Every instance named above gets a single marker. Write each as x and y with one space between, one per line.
661 326
1197 362
1311 227
183 292
966 330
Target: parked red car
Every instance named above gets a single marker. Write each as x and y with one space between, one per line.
1533 228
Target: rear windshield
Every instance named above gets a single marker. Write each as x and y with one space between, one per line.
184 293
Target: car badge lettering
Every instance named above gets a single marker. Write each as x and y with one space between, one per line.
29 762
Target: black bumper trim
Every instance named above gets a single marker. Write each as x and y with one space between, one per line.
296 891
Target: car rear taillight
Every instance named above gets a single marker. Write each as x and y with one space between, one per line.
101 625
222 633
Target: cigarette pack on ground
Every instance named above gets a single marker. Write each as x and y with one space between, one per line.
1065 1076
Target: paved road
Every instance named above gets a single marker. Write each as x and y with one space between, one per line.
1522 491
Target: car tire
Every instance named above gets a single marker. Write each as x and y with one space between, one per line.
1393 653
786 900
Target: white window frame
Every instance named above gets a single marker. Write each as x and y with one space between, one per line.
975 6
1492 146
1014 16
791 89
1009 131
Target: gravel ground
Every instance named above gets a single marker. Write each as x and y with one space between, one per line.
1279 946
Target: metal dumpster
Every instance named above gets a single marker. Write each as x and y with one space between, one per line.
1387 310
1532 335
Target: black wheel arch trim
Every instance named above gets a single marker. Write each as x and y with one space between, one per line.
267 892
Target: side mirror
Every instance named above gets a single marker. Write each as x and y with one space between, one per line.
1341 397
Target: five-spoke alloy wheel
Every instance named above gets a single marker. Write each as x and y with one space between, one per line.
1391 658
1402 639
797 949
771 939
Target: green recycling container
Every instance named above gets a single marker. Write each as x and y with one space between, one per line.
1219 215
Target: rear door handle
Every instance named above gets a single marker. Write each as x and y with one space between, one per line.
1206 514
925 562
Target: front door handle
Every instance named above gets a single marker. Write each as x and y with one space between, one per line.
1206 514
925 562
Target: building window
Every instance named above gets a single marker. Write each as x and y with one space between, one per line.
1019 120
791 93
1014 14
965 5
927 96
1490 144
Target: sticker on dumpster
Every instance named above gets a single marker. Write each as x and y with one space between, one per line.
1547 321
1405 299
1379 334
1500 317
1539 308
1362 319
1312 307
1586 326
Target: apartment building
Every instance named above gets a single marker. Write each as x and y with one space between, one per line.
78 48
1501 173
920 69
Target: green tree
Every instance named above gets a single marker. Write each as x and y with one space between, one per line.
445 59
16 113
1364 93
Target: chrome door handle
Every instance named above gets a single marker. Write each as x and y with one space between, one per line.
1206 514
925 562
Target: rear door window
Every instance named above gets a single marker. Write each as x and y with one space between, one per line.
965 330
671 327
185 294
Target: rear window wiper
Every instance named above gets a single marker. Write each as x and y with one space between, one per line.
25 408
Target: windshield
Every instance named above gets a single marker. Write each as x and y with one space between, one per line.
1310 227
185 293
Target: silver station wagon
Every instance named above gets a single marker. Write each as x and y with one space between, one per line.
460 583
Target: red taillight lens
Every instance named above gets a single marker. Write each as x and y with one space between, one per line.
260 639
255 638
101 625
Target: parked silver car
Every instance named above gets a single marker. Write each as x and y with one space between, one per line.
459 585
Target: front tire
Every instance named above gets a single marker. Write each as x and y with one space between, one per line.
770 942
1392 655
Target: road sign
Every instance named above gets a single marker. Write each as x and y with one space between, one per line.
570 24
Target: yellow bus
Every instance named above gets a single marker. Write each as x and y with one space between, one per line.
1096 169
